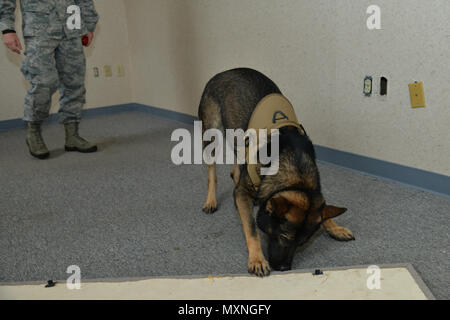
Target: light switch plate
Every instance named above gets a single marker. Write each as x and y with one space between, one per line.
417 95
120 71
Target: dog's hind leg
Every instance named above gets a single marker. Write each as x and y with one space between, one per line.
337 232
209 114
257 263
210 205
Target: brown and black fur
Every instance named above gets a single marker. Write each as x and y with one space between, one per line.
291 205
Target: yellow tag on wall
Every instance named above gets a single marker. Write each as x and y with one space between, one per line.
108 71
417 95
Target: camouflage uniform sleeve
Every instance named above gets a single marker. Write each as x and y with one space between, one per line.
7 14
88 13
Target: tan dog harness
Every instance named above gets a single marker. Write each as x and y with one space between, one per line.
272 112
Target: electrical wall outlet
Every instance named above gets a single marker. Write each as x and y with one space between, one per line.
120 71
96 72
383 86
417 95
108 71
368 84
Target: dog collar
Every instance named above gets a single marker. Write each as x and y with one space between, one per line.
274 111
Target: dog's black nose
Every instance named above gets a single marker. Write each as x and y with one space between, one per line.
282 267
285 267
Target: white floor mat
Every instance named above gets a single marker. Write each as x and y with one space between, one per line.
396 282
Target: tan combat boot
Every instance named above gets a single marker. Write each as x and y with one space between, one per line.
35 142
74 142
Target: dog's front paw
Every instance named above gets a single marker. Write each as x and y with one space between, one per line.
342 234
210 207
259 267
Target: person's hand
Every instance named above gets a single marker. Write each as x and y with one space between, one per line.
90 36
11 40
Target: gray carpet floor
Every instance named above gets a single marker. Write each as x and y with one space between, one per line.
127 211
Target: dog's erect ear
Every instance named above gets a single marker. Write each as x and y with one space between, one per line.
296 198
278 205
329 212
281 203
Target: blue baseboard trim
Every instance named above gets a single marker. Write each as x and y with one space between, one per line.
424 180
12 124
164 113
421 179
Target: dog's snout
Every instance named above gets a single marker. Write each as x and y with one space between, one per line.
280 255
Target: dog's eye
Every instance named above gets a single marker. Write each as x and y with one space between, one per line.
286 240
287 237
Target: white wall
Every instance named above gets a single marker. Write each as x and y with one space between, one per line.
413 45
110 47
318 52
179 45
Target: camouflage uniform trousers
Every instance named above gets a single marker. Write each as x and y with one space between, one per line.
53 64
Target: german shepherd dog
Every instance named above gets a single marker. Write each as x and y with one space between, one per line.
291 205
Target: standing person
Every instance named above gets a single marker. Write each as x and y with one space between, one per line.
54 59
